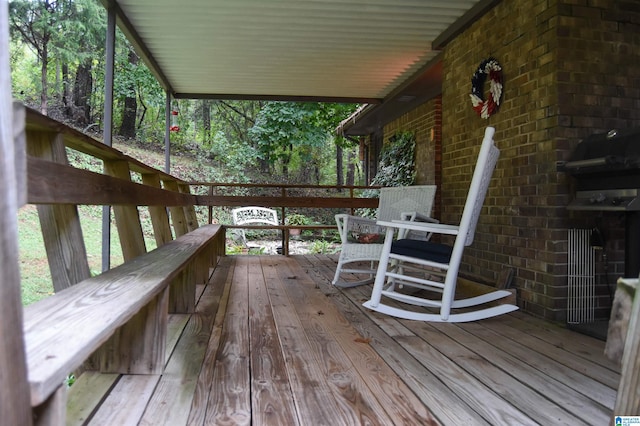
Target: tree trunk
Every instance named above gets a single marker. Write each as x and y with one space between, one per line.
128 126
144 111
206 121
286 159
43 80
66 107
351 171
264 165
82 88
339 171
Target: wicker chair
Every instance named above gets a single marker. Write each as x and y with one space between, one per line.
438 263
362 238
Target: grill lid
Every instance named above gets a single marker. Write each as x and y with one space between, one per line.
614 151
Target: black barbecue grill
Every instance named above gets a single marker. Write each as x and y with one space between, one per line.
607 171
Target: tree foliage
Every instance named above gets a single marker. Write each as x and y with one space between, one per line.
295 133
61 31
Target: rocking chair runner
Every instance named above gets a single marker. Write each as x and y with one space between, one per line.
433 259
362 238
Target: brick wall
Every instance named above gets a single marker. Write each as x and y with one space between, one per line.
571 68
598 90
523 223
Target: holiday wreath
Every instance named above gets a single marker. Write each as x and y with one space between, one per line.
486 108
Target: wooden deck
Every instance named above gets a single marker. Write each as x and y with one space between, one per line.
273 343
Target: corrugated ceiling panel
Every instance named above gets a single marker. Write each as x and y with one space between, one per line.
323 48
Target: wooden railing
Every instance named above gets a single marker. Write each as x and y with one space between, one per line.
283 197
116 321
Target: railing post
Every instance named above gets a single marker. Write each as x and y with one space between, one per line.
210 218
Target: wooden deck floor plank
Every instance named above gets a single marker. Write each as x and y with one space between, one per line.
603 395
350 392
372 379
221 279
520 390
486 344
272 400
315 400
171 402
446 363
554 351
120 408
576 343
323 266
86 394
175 325
515 392
230 397
428 387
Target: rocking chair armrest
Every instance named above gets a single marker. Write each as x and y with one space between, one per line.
435 228
418 217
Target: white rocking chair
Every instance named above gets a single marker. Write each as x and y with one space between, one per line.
437 264
362 237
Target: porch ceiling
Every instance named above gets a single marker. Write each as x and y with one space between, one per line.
334 50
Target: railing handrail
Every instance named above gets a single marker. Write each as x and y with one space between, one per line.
281 185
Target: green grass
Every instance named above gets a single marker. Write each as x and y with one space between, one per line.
34 269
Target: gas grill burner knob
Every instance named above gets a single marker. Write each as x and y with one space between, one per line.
598 199
612 134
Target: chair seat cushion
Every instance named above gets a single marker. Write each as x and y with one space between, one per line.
426 250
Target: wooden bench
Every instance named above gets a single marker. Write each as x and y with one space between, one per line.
117 320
